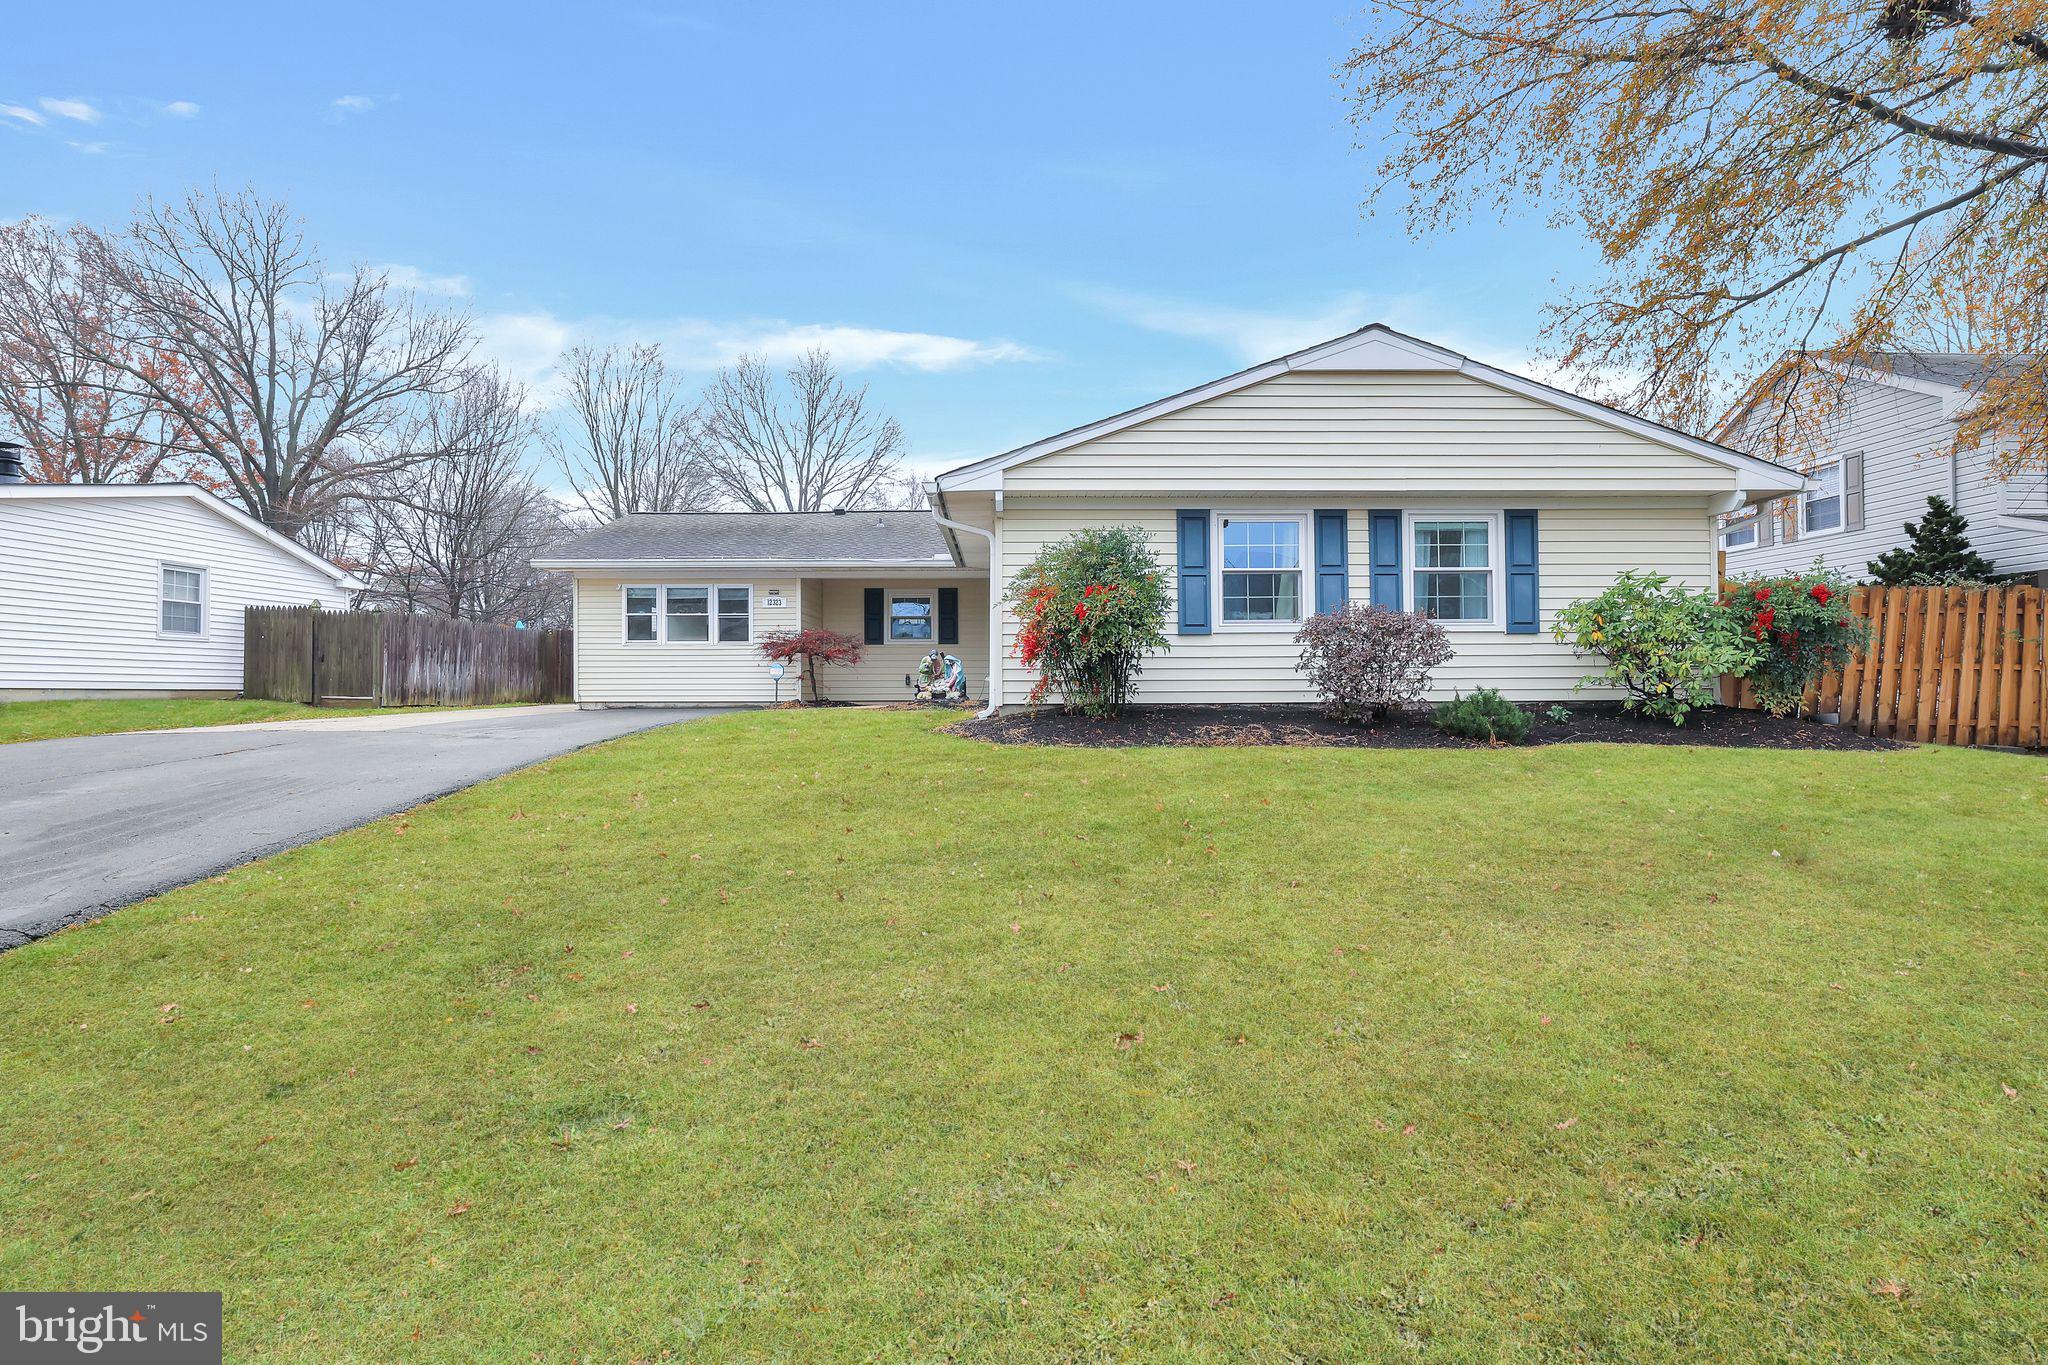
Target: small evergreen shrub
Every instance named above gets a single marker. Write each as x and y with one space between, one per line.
1665 647
1367 660
1484 715
1937 553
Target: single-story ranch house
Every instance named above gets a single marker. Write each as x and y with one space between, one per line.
137 590
1374 467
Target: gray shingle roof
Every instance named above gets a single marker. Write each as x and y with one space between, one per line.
762 537
1957 369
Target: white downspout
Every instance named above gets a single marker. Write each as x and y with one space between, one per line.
995 607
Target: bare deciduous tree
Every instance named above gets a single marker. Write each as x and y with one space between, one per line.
287 381
457 534
1759 178
628 443
813 448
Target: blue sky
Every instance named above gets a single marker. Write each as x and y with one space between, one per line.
1007 222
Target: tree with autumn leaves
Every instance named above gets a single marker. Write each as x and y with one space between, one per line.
1778 191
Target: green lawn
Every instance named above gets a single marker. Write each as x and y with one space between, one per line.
24 720
805 1036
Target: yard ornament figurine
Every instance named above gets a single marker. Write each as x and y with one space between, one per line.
940 677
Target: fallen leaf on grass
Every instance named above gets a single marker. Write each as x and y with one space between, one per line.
2010 1093
1561 1126
632 1008
1407 1130
1187 1166
810 1045
1890 1289
406 1164
458 1211
1126 1041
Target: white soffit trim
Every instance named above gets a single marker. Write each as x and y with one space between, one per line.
1377 348
234 516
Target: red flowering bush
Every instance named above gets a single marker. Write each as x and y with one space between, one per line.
1090 608
1800 626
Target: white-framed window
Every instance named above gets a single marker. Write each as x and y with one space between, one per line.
687 615
913 615
642 605
1821 509
735 615
1739 532
1259 570
1453 575
181 600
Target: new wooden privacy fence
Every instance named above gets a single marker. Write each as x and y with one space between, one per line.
1945 666
390 658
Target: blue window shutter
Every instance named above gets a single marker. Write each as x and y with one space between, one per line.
1192 548
949 616
1386 559
1521 557
1333 567
871 612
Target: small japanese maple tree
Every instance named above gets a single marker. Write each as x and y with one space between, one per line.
813 647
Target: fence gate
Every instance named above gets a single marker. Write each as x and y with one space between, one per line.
348 658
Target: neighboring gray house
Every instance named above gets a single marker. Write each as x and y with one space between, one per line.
1884 453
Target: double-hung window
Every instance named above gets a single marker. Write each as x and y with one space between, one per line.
640 612
1260 568
181 600
1453 578
1823 503
913 615
1739 533
689 615
735 615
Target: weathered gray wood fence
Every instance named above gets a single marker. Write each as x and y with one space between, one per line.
390 658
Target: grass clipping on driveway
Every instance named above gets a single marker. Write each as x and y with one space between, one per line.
823 1035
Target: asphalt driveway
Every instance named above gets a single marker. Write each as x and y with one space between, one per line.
88 825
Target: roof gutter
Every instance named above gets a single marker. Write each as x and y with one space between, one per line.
995 603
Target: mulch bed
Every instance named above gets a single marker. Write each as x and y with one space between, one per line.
1227 726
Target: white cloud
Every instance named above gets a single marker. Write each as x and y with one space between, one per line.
182 109
526 345
421 282
355 104
89 148
77 110
16 111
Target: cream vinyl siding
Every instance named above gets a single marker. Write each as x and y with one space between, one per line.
879 674
610 672
78 594
1583 543
1905 439
1368 433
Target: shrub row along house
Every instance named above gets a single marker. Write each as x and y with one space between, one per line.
1373 467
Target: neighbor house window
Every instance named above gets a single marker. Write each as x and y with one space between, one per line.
1452 579
735 615
1261 568
689 615
1739 533
1824 500
912 615
640 610
181 601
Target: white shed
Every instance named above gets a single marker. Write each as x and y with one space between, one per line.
135 590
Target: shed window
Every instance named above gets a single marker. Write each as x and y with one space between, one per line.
181 601
1261 568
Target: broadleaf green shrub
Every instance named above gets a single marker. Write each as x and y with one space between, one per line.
1090 607
1666 647
1484 715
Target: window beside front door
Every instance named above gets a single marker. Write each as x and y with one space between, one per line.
913 615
